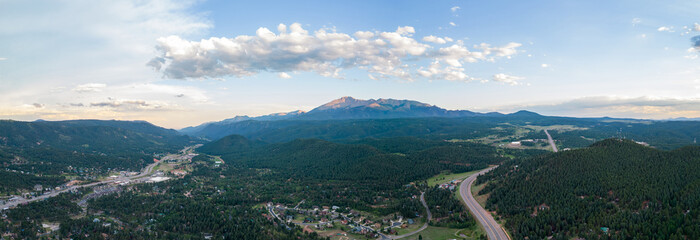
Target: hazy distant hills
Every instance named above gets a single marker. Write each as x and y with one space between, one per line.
344 108
351 108
348 119
92 136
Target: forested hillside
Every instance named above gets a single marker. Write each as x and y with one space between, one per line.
319 159
39 152
92 136
614 189
585 131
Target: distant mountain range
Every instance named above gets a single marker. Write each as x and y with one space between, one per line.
350 108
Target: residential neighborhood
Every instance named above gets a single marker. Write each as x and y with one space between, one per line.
338 221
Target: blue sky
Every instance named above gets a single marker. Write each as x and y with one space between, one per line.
180 63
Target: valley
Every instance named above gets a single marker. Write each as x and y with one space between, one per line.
383 178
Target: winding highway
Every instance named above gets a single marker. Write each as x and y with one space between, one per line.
494 231
147 170
551 141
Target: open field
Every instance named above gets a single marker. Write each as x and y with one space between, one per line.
481 199
411 227
446 176
442 233
555 127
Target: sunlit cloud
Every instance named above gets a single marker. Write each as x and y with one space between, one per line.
325 52
284 75
507 79
665 29
89 87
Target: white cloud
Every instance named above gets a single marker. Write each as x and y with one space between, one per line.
508 79
89 87
448 61
381 54
284 75
696 27
544 65
665 29
454 9
449 72
636 21
453 24
438 40
3 59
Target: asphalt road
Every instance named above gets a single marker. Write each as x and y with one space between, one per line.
430 216
493 229
147 170
551 141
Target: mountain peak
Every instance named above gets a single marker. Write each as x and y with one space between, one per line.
343 102
525 113
348 102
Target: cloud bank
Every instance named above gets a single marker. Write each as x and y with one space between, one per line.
627 107
326 52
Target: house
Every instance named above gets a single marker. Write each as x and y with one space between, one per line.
335 207
410 221
178 173
377 225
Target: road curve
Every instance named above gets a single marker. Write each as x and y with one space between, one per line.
494 231
430 216
551 141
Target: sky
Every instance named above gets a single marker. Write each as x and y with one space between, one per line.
182 63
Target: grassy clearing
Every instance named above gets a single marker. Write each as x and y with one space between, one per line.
411 227
481 199
165 167
555 127
447 176
259 205
441 233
